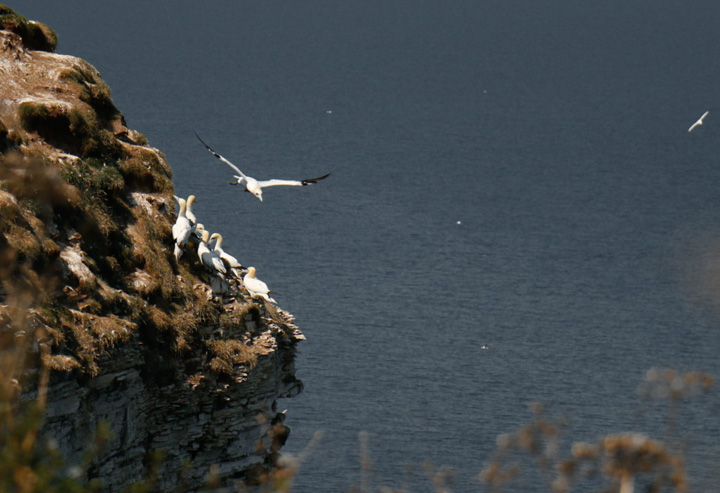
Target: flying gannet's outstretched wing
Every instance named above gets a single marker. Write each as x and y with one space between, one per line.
220 157
291 183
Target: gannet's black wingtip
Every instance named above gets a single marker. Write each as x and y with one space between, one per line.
314 180
212 151
203 142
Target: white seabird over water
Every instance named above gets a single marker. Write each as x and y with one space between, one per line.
254 186
699 122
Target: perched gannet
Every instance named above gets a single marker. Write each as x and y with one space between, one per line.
209 258
699 122
188 208
254 186
255 286
181 230
231 261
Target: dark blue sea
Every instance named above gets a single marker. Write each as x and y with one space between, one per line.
510 174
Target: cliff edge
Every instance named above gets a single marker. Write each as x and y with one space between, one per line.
113 332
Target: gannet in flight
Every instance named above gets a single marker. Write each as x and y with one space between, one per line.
254 186
256 287
181 230
699 122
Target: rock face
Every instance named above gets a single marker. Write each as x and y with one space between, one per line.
201 425
118 335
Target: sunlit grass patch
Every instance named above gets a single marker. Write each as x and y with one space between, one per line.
229 353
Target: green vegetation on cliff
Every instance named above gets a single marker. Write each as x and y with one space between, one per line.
35 36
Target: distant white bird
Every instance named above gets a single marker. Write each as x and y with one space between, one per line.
256 287
699 122
254 186
181 230
230 261
209 258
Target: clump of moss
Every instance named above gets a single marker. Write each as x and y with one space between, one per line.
35 36
74 129
146 172
32 114
92 89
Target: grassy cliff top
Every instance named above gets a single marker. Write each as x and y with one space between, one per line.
86 211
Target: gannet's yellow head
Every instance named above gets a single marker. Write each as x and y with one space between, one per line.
251 272
252 186
205 235
256 192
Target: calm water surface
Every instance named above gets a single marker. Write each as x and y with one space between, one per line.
554 132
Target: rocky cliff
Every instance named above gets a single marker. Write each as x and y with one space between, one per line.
115 334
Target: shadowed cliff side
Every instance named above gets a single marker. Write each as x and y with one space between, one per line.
130 337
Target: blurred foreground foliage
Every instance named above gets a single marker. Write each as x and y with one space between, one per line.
615 462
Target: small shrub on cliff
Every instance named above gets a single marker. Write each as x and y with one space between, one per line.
230 353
